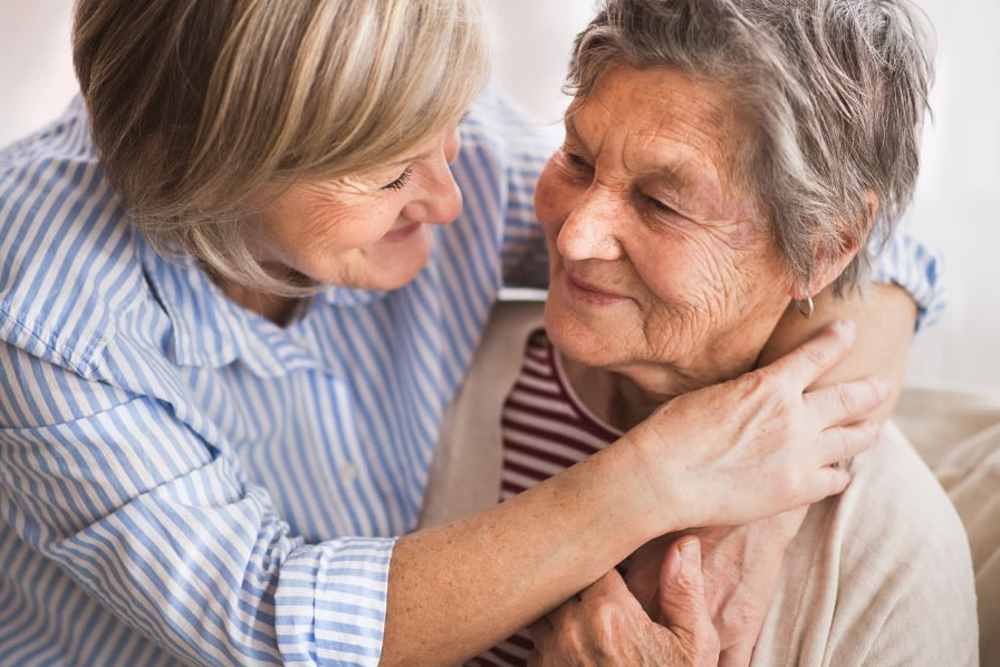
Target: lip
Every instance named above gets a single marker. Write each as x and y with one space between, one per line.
590 293
403 233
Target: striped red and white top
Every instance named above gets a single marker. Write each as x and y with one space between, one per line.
546 428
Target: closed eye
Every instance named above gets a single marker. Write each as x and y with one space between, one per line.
659 205
400 182
578 163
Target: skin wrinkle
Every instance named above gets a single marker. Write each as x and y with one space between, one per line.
701 285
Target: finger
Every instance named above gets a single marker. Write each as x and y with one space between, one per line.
829 482
610 585
847 403
738 655
682 588
845 442
561 614
809 362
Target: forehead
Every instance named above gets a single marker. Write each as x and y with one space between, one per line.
657 116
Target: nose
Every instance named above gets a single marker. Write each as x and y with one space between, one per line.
442 202
589 230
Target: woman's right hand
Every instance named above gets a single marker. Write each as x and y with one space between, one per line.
757 445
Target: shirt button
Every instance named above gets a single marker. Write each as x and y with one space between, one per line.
348 473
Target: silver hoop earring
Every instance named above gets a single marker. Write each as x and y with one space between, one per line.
806 307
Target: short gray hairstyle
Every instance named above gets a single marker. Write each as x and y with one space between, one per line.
835 92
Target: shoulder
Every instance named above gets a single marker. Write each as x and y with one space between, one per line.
896 498
906 591
68 257
498 138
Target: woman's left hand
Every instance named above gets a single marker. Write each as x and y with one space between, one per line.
606 625
742 570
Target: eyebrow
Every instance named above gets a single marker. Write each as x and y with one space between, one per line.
413 158
676 174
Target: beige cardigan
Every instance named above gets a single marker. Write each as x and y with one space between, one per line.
880 576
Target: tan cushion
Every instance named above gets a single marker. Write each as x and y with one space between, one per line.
958 434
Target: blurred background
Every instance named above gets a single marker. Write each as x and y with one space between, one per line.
957 208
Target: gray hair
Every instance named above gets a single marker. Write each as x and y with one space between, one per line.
835 92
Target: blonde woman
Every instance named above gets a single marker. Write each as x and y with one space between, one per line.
238 290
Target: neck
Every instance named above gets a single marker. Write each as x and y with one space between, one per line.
277 309
625 397
617 398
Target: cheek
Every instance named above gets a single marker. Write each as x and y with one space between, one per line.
553 200
337 229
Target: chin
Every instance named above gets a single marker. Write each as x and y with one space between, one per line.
399 266
589 341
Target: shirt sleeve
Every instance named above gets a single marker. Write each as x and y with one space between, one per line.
167 533
914 266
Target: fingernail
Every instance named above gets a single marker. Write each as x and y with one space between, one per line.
688 552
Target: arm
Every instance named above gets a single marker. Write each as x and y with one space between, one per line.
163 530
161 526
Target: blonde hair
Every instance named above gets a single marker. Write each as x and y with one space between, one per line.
197 105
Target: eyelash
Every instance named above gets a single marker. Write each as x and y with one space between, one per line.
577 162
400 182
658 205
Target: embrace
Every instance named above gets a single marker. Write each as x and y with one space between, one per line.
261 405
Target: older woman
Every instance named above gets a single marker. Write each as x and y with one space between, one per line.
233 310
722 160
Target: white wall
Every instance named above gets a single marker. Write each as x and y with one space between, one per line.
957 202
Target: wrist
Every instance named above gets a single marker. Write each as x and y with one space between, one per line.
655 486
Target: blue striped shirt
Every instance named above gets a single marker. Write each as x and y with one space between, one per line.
182 480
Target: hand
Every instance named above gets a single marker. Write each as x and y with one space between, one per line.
885 317
758 445
742 570
607 625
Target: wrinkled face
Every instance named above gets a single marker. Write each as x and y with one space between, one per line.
371 232
661 268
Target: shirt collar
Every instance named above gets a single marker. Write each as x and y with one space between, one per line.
208 329
350 297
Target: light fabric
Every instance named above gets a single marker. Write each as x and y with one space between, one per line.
880 576
175 468
182 480
959 436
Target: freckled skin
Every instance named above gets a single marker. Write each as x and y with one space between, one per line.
640 202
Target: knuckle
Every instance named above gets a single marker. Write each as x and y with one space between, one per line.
790 483
605 617
816 355
707 645
847 399
737 621
752 383
567 640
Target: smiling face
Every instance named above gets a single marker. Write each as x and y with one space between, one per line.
661 267
369 233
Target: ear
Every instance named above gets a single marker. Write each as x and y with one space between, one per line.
831 262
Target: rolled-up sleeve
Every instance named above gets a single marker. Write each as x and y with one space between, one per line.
916 267
164 530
